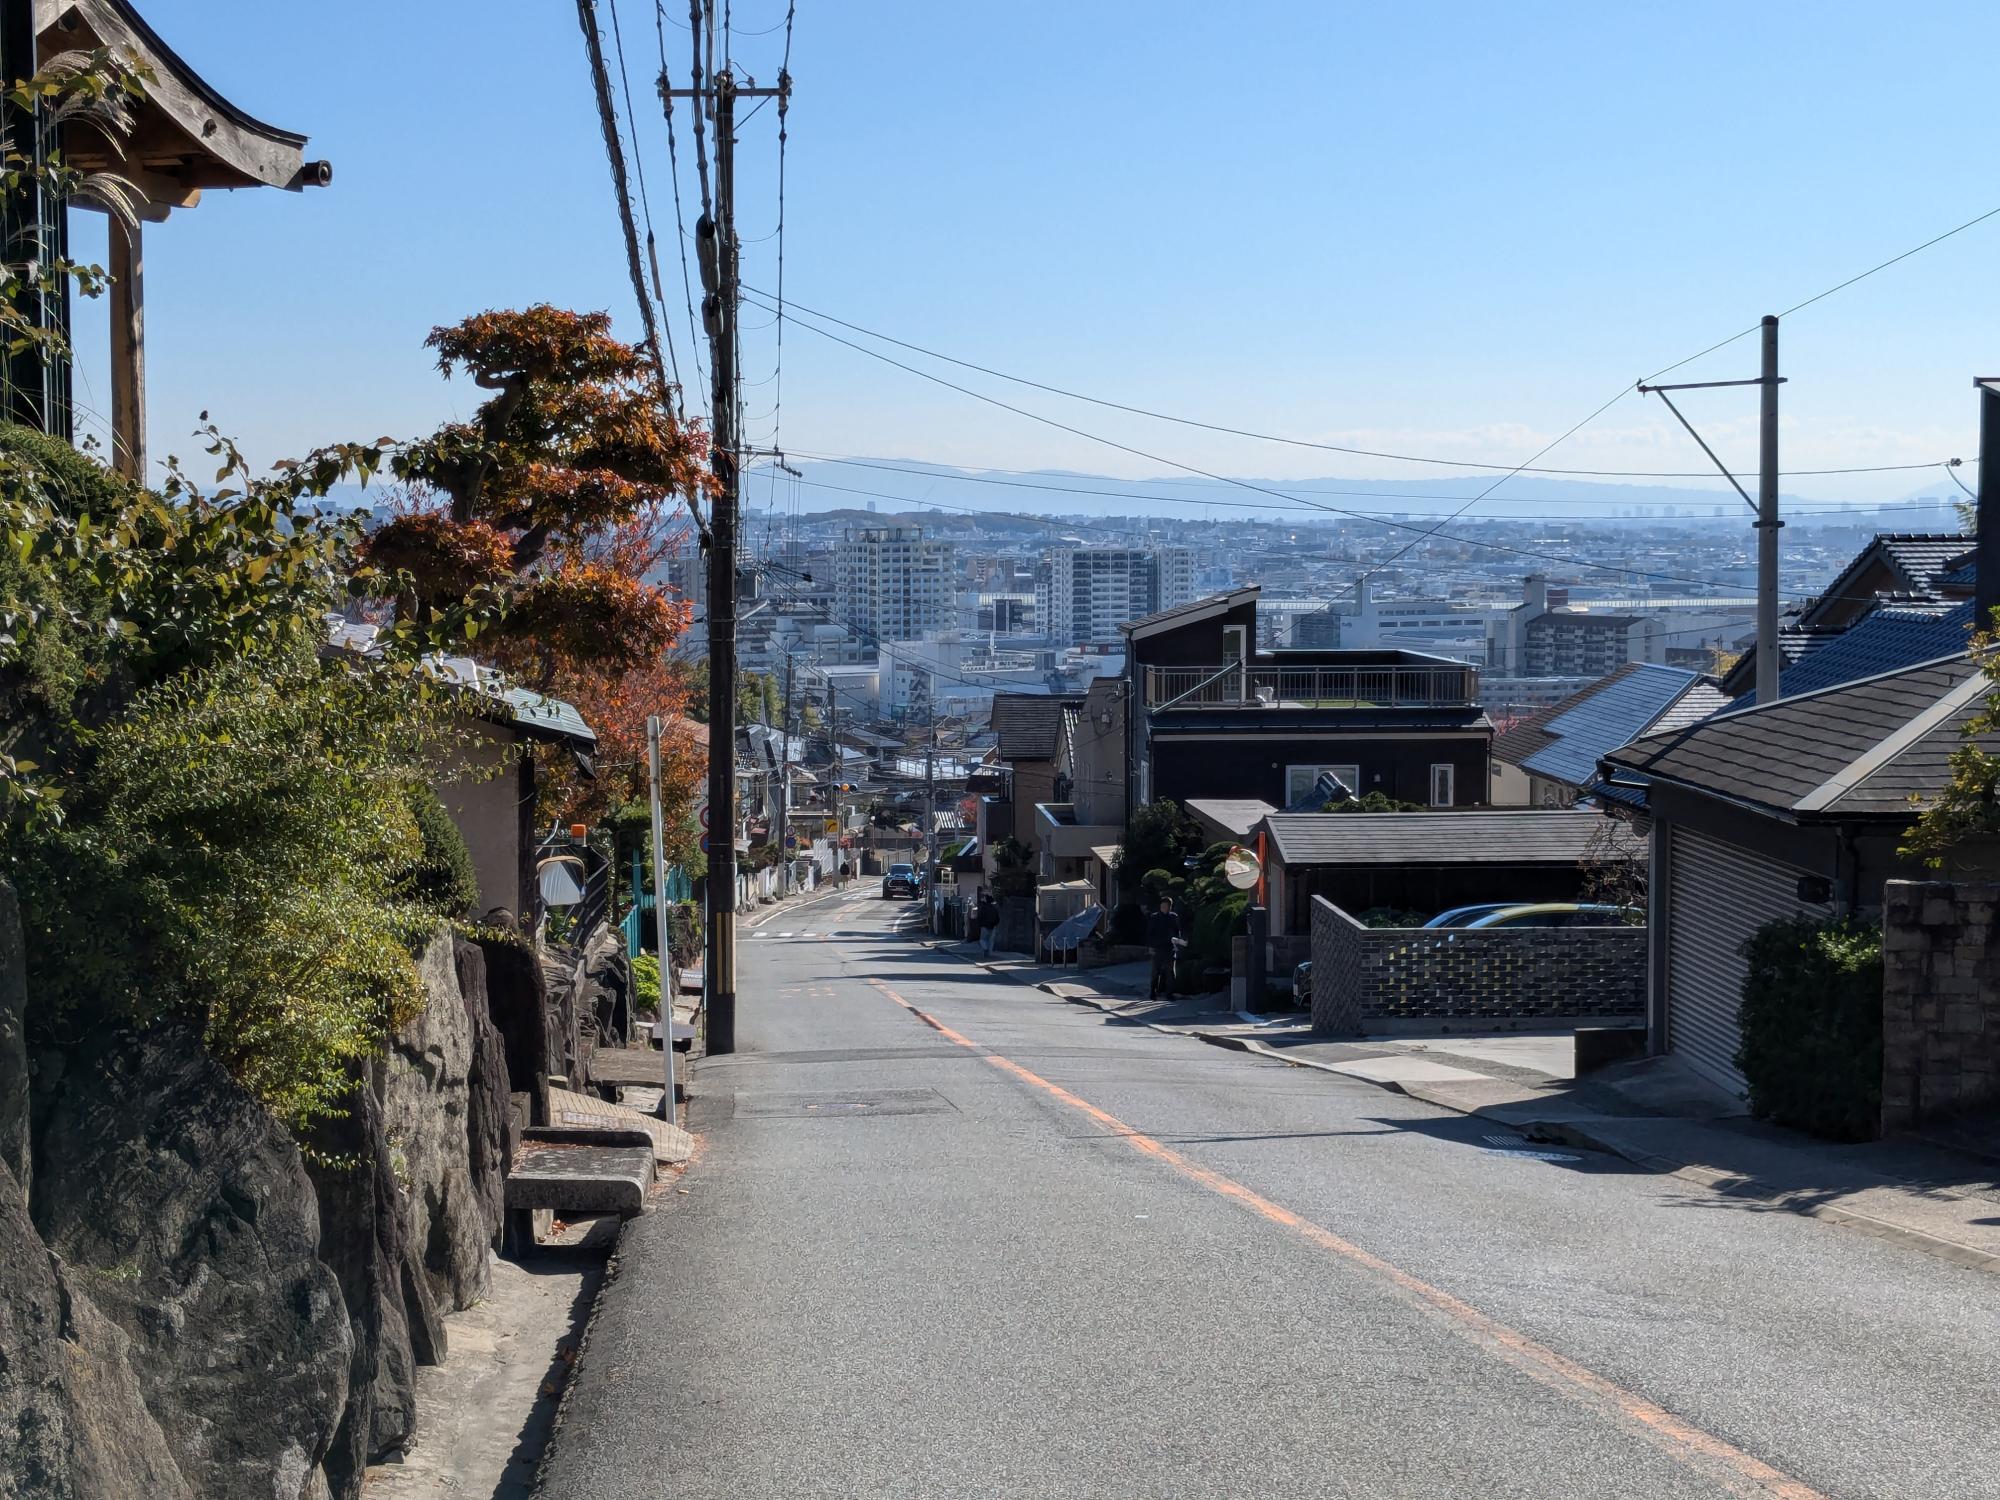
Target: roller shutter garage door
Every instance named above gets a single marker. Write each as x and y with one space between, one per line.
1721 896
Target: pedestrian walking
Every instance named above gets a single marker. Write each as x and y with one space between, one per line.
1163 936
986 916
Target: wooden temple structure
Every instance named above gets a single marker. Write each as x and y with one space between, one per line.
186 138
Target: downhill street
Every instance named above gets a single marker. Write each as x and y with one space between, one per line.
948 1235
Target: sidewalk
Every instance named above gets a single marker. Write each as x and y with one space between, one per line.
1923 1194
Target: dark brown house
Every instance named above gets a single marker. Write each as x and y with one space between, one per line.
1214 717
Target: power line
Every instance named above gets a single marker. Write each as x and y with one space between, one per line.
586 13
646 210
1821 296
1268 437
680 217
784 103
1027 482
1422 531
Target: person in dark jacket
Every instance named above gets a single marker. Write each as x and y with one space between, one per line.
1163 936
986 918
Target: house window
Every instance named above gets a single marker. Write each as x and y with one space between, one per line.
1299 780
1443 784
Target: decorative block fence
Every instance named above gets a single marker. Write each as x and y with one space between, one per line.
1940 1000
1467 975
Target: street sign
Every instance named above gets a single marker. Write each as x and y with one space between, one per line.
704 843
704 818
791 842
833 825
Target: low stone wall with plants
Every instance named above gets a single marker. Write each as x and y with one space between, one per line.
1940 1001
1471 975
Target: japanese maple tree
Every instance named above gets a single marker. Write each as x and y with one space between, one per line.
559 494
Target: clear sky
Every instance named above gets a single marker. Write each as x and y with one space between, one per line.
1445 228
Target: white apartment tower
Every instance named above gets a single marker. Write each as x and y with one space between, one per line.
893 584
1083 594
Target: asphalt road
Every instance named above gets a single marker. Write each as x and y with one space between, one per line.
950 1236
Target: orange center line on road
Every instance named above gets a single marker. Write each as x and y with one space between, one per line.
1738 1472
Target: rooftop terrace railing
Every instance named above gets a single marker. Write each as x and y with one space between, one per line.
1439 685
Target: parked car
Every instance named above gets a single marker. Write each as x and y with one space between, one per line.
1465 916
901 880
1302 985
1562 914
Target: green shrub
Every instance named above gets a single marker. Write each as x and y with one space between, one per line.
646 985
1128 923
441 879
1215 923
1812 1026
232 857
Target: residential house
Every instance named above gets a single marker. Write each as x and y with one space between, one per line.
1914 575
1029 732
1793 809
1208 715
1550 758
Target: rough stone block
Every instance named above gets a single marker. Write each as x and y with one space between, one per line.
581 1171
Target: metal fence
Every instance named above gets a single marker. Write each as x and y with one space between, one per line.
1446 684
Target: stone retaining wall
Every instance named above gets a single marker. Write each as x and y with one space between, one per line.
1940 1000
1363 974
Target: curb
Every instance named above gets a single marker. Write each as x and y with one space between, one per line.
1735 1185
1715 1180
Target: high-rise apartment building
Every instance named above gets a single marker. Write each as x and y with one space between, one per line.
893 583
1083 594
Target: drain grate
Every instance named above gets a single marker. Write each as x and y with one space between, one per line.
845 1104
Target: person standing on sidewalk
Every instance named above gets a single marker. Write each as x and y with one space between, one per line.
1163 936
986 917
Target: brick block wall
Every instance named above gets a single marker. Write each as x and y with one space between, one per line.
1940 1000
1362 973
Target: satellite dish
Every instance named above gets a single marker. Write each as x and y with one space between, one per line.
1241 868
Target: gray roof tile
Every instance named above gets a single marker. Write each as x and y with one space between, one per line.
1526 836
1779 755
1028 726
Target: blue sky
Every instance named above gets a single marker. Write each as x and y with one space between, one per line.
1441 228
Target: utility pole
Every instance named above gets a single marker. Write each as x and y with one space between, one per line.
930 825
1769 658
785 786
716 246
667 986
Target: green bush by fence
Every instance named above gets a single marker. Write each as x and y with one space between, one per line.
1812 1026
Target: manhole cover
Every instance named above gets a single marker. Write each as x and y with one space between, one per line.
847 1104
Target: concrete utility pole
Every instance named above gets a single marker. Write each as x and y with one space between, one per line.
930 826
1769 658
715 244
785 787
667 1109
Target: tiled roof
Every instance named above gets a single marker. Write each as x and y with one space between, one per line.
1565 742
1238 814
1861 749
1924 559
1028 725
1696 704
1200 609
1607 719
1527 836
1885 641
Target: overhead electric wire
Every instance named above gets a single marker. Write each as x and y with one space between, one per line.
1028 482
614 150
680 217
646 210
1270 437
1822 296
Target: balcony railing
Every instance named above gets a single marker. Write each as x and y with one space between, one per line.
1444 685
